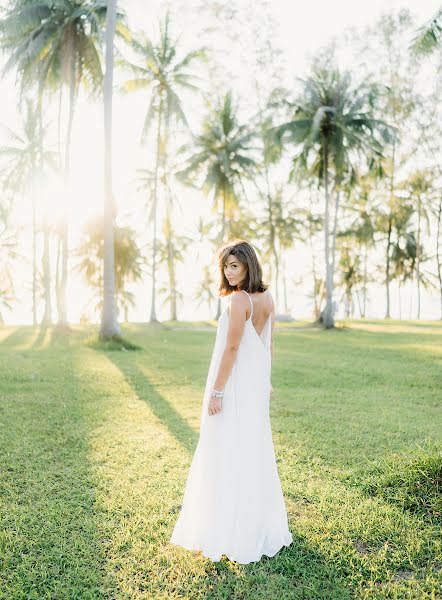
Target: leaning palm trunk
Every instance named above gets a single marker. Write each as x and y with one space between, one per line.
328 318
109 324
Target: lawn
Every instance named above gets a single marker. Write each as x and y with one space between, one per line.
95 446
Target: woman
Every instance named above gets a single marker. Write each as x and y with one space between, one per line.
233 502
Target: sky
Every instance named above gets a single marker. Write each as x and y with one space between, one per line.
303 28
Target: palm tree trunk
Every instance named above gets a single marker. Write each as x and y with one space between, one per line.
364 303
60 105
284 287
438 257
399 297
272 237
312 251
358 298
328 318
47 315
418 260
335 229
223 229
57 274
109 324
153 316
34 259
62 317
387 266
171 268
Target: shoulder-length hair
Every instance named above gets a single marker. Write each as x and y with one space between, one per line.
246 254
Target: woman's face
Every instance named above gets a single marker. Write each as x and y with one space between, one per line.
234 270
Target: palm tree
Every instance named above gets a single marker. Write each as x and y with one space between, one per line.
420 194
166 75
128 263
429 36
109 325
362 227
170 253
222 157
20 160
333 125
63 39
8 250
15 41
349 269
393 221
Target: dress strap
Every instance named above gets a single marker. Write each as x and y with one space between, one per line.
250 303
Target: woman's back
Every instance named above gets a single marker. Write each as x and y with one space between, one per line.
263 307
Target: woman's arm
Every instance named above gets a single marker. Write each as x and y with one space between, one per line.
237 320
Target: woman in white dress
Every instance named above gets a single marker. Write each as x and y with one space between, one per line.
233 502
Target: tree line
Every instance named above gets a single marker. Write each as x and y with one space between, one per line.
340 138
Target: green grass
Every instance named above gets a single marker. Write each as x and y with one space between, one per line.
95 446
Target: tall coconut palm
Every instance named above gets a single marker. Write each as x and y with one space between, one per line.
62 38
220 159
333 126
109 325
19 161
166 74
13 40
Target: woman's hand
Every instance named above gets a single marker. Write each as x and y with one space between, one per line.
215 405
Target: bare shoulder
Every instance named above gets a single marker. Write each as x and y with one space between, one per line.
238 299
269 294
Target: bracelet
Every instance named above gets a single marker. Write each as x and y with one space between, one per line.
217 393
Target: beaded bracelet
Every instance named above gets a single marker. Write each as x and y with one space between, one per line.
217 393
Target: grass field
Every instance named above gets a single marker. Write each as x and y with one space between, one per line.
95 446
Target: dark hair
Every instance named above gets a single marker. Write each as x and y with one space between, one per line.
246 254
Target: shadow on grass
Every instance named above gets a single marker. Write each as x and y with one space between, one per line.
20 336
41 337
164 411
51 544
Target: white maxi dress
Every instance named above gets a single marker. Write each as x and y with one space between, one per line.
233 502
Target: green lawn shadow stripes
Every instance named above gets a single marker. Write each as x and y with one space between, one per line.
20 337
133 416
50 545
44 332
299 571
163 410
